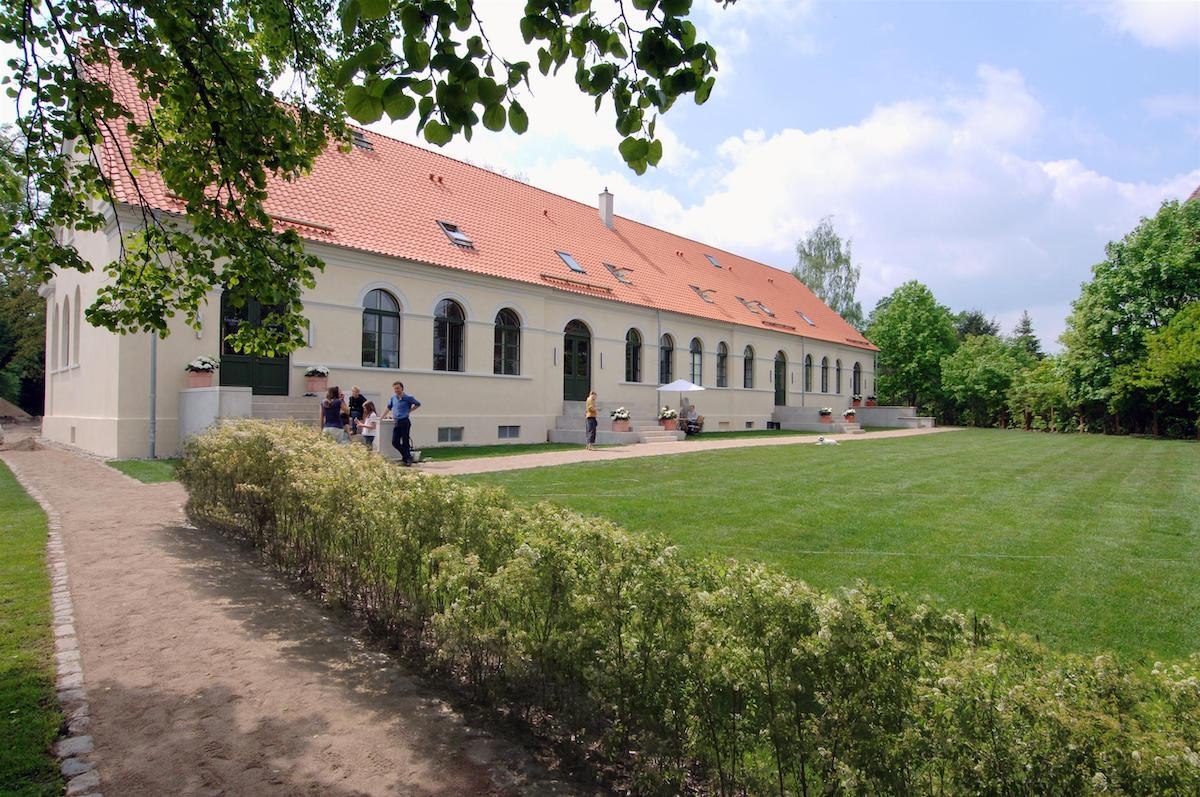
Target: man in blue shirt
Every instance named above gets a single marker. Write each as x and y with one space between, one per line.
399 406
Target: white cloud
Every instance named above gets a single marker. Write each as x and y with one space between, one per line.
1170 24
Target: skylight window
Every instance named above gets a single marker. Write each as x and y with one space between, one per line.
456 235
807 320
713 260
359 139
765 309
703 294
622 274
751 306
571 262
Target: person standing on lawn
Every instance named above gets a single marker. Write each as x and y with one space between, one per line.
590 414
399 406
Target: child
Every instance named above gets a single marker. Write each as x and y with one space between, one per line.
369 424
356 403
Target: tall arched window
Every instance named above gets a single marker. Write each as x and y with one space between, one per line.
748 367
633 356
856 380
722 365
666 358
54 339
75 332
380 330
696 350
507 356
449 326
839 377
824 374
65 356
808 373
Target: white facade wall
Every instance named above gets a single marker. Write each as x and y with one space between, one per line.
100 401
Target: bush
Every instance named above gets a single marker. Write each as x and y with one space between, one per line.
709 676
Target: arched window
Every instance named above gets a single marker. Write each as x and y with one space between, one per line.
808 373
65 357
856 380
722 365
507 356
449 325
666 356
696 350
839 376
78 318
380 330
748 367
633 356
54 339
824 374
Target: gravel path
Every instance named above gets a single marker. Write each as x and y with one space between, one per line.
551 458
207 676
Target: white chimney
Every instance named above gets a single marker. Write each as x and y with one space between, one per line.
606 208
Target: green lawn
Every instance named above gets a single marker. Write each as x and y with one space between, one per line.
150 471
29 714
748 434
1091 543
471 452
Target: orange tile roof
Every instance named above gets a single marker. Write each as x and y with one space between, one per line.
388 200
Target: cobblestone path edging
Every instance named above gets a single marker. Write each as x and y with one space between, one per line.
74 747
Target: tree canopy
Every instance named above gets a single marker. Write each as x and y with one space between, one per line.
1023 337
210 124
825 265
22 311
913 333
974 322
978 376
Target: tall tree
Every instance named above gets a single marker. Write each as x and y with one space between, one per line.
913 333
825 265
204 118
978 376
1023 337
974 322
22 311
1144 280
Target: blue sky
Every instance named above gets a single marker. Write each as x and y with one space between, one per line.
989 150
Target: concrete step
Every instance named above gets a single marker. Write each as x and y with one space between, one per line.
661 436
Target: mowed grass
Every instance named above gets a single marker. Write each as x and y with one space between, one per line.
29 713
1090 543
150 471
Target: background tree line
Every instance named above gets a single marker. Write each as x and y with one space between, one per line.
1131 351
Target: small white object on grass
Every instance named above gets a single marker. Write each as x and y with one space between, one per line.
821 441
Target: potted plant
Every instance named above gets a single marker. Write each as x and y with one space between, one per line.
200 371
318 380
849 415
856 400
871 401
826 414
620 420
668 419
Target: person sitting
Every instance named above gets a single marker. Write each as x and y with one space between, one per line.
693 423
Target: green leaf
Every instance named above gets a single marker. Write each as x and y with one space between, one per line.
654 152
633 149
518 120
437 133
362 105
494 117
374 9
411 20
399 106
704 90
350 17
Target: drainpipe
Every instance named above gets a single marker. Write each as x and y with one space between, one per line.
153 430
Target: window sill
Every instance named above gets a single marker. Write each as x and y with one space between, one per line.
423 371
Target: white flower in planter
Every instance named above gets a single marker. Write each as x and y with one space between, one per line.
202 364
667 414
619 414
826 411
316 370
850 413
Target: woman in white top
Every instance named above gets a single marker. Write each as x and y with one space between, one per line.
369 424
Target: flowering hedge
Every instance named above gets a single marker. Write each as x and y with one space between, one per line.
720 677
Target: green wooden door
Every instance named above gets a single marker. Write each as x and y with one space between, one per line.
267 376
577 362
780 382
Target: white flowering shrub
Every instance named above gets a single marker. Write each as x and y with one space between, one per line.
691 675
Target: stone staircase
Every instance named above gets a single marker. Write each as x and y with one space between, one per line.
569 427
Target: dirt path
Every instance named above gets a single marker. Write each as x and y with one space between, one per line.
551 458
209 677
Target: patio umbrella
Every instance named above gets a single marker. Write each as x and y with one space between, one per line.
680 386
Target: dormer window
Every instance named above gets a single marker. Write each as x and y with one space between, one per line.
571 262
622 274
703 294
713 260
456 235
807 320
